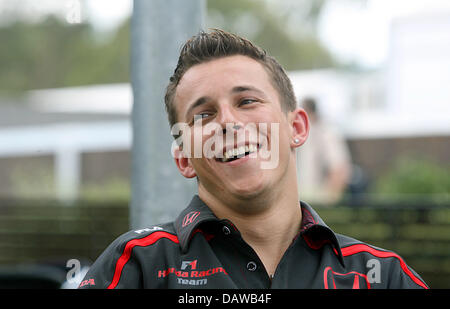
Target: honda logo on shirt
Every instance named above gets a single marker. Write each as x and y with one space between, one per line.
190 217
350 280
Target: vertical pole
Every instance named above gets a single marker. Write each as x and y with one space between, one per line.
158 29
67 174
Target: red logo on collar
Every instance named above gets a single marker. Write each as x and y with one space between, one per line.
190 217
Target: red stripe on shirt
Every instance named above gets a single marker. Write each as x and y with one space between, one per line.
382 254
141 242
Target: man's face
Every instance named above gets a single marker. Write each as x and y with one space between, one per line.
234 114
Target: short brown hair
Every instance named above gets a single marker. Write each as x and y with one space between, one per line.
205 47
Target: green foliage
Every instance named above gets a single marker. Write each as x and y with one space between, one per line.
114 189
53 53
415 176
294 49
29 181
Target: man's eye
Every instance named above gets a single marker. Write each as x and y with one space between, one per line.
201 116
247 101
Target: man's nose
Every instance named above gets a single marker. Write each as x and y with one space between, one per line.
228 118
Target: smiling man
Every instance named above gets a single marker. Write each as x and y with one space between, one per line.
237 131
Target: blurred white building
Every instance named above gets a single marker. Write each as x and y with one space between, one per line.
409 98
64 124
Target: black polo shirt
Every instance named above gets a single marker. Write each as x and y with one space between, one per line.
199 250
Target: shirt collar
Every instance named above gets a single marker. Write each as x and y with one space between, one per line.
190 218
313 229
316 233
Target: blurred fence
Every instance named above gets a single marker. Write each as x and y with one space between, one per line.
37 238
46 232
33 231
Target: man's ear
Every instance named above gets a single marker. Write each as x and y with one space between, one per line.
183 163
300 127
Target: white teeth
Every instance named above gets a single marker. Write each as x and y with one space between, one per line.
239 152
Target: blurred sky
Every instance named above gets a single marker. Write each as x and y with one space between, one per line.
360 30
354 30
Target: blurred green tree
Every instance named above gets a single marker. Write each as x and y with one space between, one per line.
287 32
53 53
415 177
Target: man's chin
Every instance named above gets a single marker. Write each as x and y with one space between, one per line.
248 191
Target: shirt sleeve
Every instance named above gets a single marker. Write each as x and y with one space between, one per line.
114 268
404 277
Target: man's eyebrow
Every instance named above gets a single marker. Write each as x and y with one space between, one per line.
198 102
246 88
204 99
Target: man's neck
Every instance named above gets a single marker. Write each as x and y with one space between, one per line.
269 229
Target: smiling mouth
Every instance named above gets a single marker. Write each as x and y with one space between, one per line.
238 152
